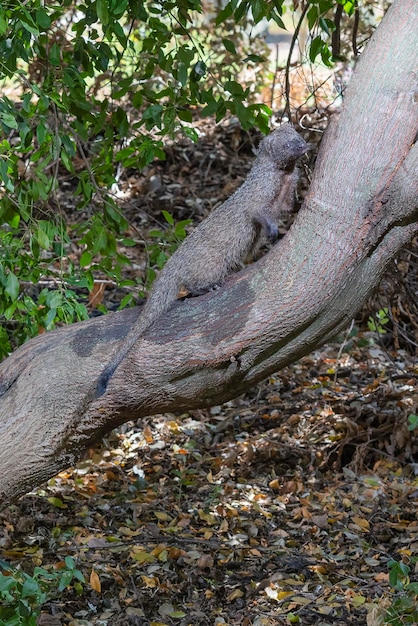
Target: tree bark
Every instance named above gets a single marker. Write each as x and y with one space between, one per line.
362 208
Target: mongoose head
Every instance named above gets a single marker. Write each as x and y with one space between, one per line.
284 146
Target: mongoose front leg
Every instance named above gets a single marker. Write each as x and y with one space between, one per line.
269 227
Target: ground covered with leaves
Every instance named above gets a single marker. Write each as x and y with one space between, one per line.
287 505
293 504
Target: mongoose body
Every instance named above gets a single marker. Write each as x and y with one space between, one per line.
227 236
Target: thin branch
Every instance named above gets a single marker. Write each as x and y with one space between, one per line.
355 31
288 63
336 35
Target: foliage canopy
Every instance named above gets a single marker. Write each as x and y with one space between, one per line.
91 89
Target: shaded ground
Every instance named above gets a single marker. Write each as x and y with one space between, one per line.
290 500
284 506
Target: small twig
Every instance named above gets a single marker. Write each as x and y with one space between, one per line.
336 35
273 84
288 63
344 343
355 31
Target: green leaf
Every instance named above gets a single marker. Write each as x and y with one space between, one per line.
120 34
210 109
168 217
50 319
234 88
66 579
254 58
69 562
278 20
112 213
137 100
9 120
41 133
349 6
315 48
79 575
323 24
258 9
244 115
325 5
185 115
55 55
191 134
412 421
224 14
30 588
10 311
182 74
313 16
412 588
229 45
85 258
57 502
66 161
4 175
26 102
42 19
3 23
240 11
153 113
185 55
12 286
27 21
169 118
42 238
125 301
102 11
6 582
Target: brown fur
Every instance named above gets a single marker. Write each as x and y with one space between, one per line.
227 236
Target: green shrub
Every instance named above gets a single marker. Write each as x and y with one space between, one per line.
404 607
97 87
22 596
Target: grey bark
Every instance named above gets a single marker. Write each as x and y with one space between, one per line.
362 208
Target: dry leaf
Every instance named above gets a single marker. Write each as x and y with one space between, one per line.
95 581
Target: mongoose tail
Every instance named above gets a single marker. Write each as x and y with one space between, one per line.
158 303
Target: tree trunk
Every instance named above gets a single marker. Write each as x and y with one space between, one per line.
361 209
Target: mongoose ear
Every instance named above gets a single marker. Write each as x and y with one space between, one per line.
270 143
